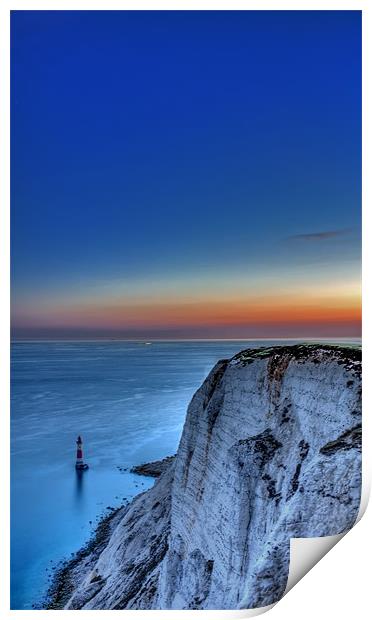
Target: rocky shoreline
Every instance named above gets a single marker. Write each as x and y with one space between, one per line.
153 469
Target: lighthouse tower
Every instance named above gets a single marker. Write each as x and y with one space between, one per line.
79 455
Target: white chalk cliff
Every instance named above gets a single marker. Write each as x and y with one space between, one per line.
270 450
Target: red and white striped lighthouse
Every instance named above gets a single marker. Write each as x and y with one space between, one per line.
79 454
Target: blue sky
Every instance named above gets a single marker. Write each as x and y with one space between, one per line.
178 157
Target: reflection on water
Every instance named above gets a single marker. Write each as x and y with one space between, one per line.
79 486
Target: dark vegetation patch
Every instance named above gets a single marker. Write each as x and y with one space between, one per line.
271 488
285 419
284 414
304 451
348 440
344 498
264 446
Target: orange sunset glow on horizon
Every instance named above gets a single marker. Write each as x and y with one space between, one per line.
287 314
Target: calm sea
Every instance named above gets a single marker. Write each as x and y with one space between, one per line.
128 402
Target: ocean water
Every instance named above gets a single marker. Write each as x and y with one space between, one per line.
127 400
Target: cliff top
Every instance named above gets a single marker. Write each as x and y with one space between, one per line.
349 356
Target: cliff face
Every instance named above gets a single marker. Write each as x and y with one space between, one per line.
270 450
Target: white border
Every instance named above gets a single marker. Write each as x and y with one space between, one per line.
314 597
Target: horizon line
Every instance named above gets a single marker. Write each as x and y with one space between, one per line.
144 340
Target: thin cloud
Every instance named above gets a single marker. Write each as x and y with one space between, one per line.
320 236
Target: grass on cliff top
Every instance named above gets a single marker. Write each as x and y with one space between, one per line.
346 352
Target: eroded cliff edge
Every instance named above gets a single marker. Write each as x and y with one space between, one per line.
270 450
